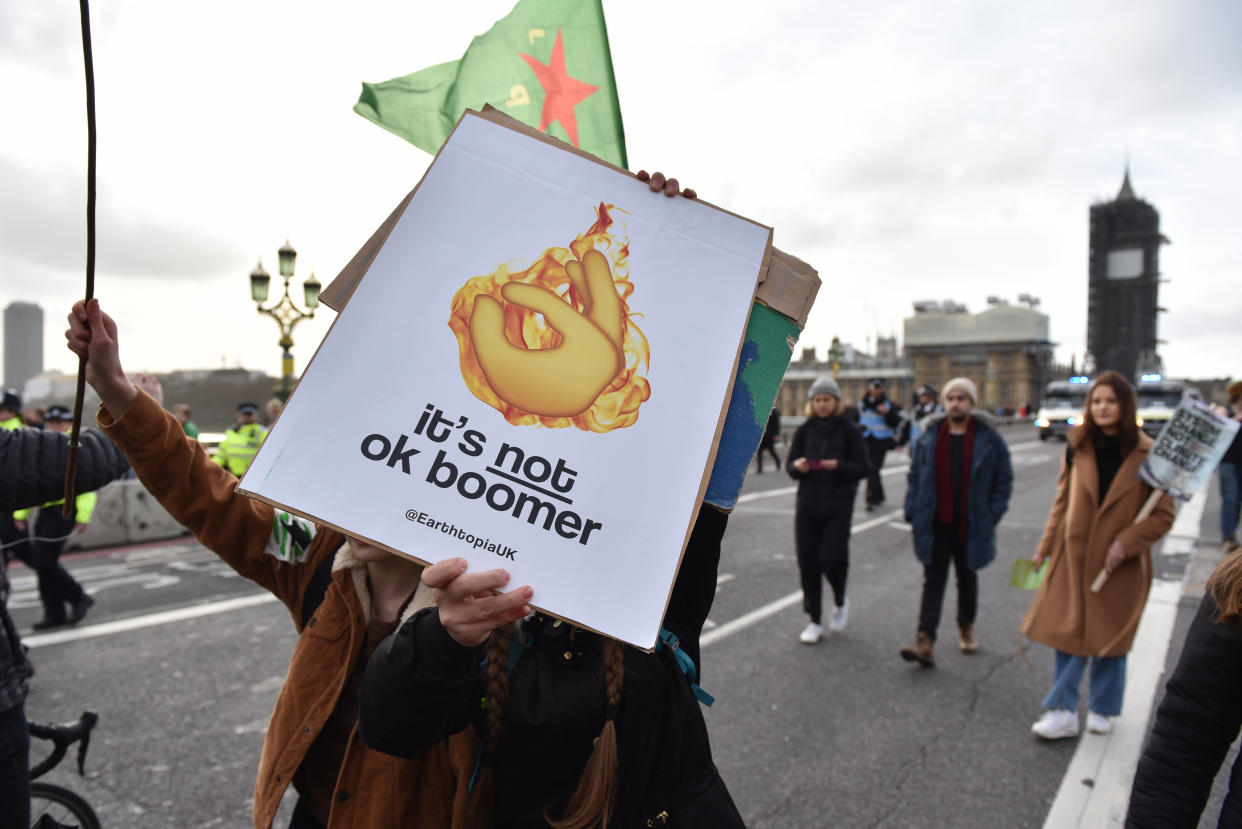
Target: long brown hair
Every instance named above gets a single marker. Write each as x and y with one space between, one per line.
1128 423
594 800
1225 585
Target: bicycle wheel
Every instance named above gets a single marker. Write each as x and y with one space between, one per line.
53 807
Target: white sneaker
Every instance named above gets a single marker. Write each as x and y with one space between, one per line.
1056 724
1098 723
840 616
810 634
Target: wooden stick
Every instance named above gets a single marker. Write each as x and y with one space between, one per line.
71 468
1148 506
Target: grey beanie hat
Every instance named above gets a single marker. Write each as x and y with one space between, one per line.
824 385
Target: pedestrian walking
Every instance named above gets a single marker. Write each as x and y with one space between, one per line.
344 595
1199 718
771 434
1230 474
879 417
827 459
958 488
1092 526
241 441
64 601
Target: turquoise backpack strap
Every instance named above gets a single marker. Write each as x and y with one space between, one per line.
668 638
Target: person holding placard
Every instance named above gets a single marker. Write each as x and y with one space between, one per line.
578 730
1092 526
827 458
344 595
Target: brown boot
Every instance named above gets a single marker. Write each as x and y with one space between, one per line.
921 652
966 638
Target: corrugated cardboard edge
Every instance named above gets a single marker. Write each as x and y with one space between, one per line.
339 291
789 287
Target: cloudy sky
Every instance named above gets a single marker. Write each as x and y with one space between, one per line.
908 150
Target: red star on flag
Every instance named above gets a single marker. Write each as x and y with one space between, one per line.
561 92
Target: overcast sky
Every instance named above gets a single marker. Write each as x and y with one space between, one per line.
907 150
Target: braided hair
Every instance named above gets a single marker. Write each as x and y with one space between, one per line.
594 800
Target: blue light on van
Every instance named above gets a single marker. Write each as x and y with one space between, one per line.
1079 379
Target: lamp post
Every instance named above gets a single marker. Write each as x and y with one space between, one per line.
834 356
286 312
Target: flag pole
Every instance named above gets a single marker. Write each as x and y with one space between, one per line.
89 62
1148 506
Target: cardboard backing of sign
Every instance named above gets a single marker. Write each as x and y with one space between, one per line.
347 287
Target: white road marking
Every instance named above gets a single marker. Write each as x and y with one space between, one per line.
149 620
1096 788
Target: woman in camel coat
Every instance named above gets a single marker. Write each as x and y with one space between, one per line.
1091 527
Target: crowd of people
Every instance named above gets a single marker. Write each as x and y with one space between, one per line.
403 654
425 696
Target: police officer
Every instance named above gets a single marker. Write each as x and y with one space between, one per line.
241 441
10 419
57 589
10 410
878 418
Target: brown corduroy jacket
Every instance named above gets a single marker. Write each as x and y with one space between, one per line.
281 553
1065 614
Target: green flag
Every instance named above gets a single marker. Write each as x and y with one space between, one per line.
546 64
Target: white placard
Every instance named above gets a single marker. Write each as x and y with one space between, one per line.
420 437
1188 448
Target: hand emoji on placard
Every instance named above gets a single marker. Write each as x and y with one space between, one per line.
565 380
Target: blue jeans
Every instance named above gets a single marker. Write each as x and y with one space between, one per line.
1229 501
1107 683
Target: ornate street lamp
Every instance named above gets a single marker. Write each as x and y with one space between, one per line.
834 356
286 312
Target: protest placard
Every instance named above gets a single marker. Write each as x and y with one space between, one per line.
1186 451
1188 448
531 374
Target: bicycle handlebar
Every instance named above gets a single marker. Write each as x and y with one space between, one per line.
61 737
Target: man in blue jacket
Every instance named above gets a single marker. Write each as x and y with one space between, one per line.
959 485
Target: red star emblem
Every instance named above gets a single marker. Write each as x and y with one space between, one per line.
561 92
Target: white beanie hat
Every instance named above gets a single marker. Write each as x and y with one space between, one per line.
824 385
961 384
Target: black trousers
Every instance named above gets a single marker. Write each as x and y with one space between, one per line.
947 548
56 587
876 450
14 767
770 448
823 542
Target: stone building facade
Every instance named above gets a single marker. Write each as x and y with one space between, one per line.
1005 349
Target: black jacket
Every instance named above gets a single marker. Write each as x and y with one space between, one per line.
32 472
828 438
421 687
1196 723
33 461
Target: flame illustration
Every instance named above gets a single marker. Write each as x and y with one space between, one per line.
617 405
